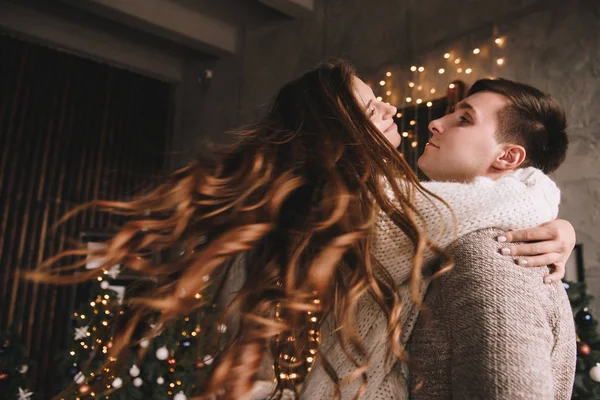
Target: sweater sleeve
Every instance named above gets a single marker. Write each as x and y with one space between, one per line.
524 198
500 335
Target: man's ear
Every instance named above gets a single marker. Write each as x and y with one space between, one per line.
510 157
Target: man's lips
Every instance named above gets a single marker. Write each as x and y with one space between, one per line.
432 144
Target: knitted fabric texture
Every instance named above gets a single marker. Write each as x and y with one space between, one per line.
493 330
521 199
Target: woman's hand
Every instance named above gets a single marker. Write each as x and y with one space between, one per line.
548 244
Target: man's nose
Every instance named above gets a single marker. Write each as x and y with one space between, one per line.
435 126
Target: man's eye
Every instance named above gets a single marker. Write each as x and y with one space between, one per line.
463 119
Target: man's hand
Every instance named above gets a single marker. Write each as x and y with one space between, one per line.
548 244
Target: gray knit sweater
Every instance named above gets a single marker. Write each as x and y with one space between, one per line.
492 330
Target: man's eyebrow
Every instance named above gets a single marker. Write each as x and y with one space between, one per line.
463 105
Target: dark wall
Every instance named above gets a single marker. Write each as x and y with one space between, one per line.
71 130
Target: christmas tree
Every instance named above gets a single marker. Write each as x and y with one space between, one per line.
587 378
14 365
173 365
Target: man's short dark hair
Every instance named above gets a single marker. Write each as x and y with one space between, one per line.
532 119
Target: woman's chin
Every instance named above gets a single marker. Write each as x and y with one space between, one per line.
394 138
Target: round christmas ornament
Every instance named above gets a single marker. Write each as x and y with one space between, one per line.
137 382
584 317
79 378
180 396
117 383
162 353
585 349
134 371
595 373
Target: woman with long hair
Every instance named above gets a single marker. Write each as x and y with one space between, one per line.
317 207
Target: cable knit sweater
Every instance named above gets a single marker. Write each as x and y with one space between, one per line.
492 330
521 199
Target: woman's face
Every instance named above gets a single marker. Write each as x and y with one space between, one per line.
380 113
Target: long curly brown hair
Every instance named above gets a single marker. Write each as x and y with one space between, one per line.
294 200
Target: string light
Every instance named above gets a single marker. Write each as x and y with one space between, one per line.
468 71
408 99
500 61
399 115
432 91
404 134
379 98
441 71
451 86
411 84
388 74
429 104
447 56
457 61
413 122
382 83
388 93
476 51
419 87
413 68
419 101
459 70
421 69
499 41
414 144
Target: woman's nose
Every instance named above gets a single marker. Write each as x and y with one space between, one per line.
390 110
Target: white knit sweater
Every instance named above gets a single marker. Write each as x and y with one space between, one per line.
521 199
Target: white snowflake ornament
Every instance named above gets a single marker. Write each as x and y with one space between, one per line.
81 332
114 271
24 394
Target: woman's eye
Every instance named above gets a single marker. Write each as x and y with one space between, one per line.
372 112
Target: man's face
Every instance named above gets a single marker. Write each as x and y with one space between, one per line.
463 144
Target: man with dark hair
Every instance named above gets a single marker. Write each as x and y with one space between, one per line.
532 119
528 125
490 329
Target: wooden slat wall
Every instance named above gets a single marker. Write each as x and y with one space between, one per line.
71 130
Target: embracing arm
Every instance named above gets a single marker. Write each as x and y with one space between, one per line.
522 199
500 333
